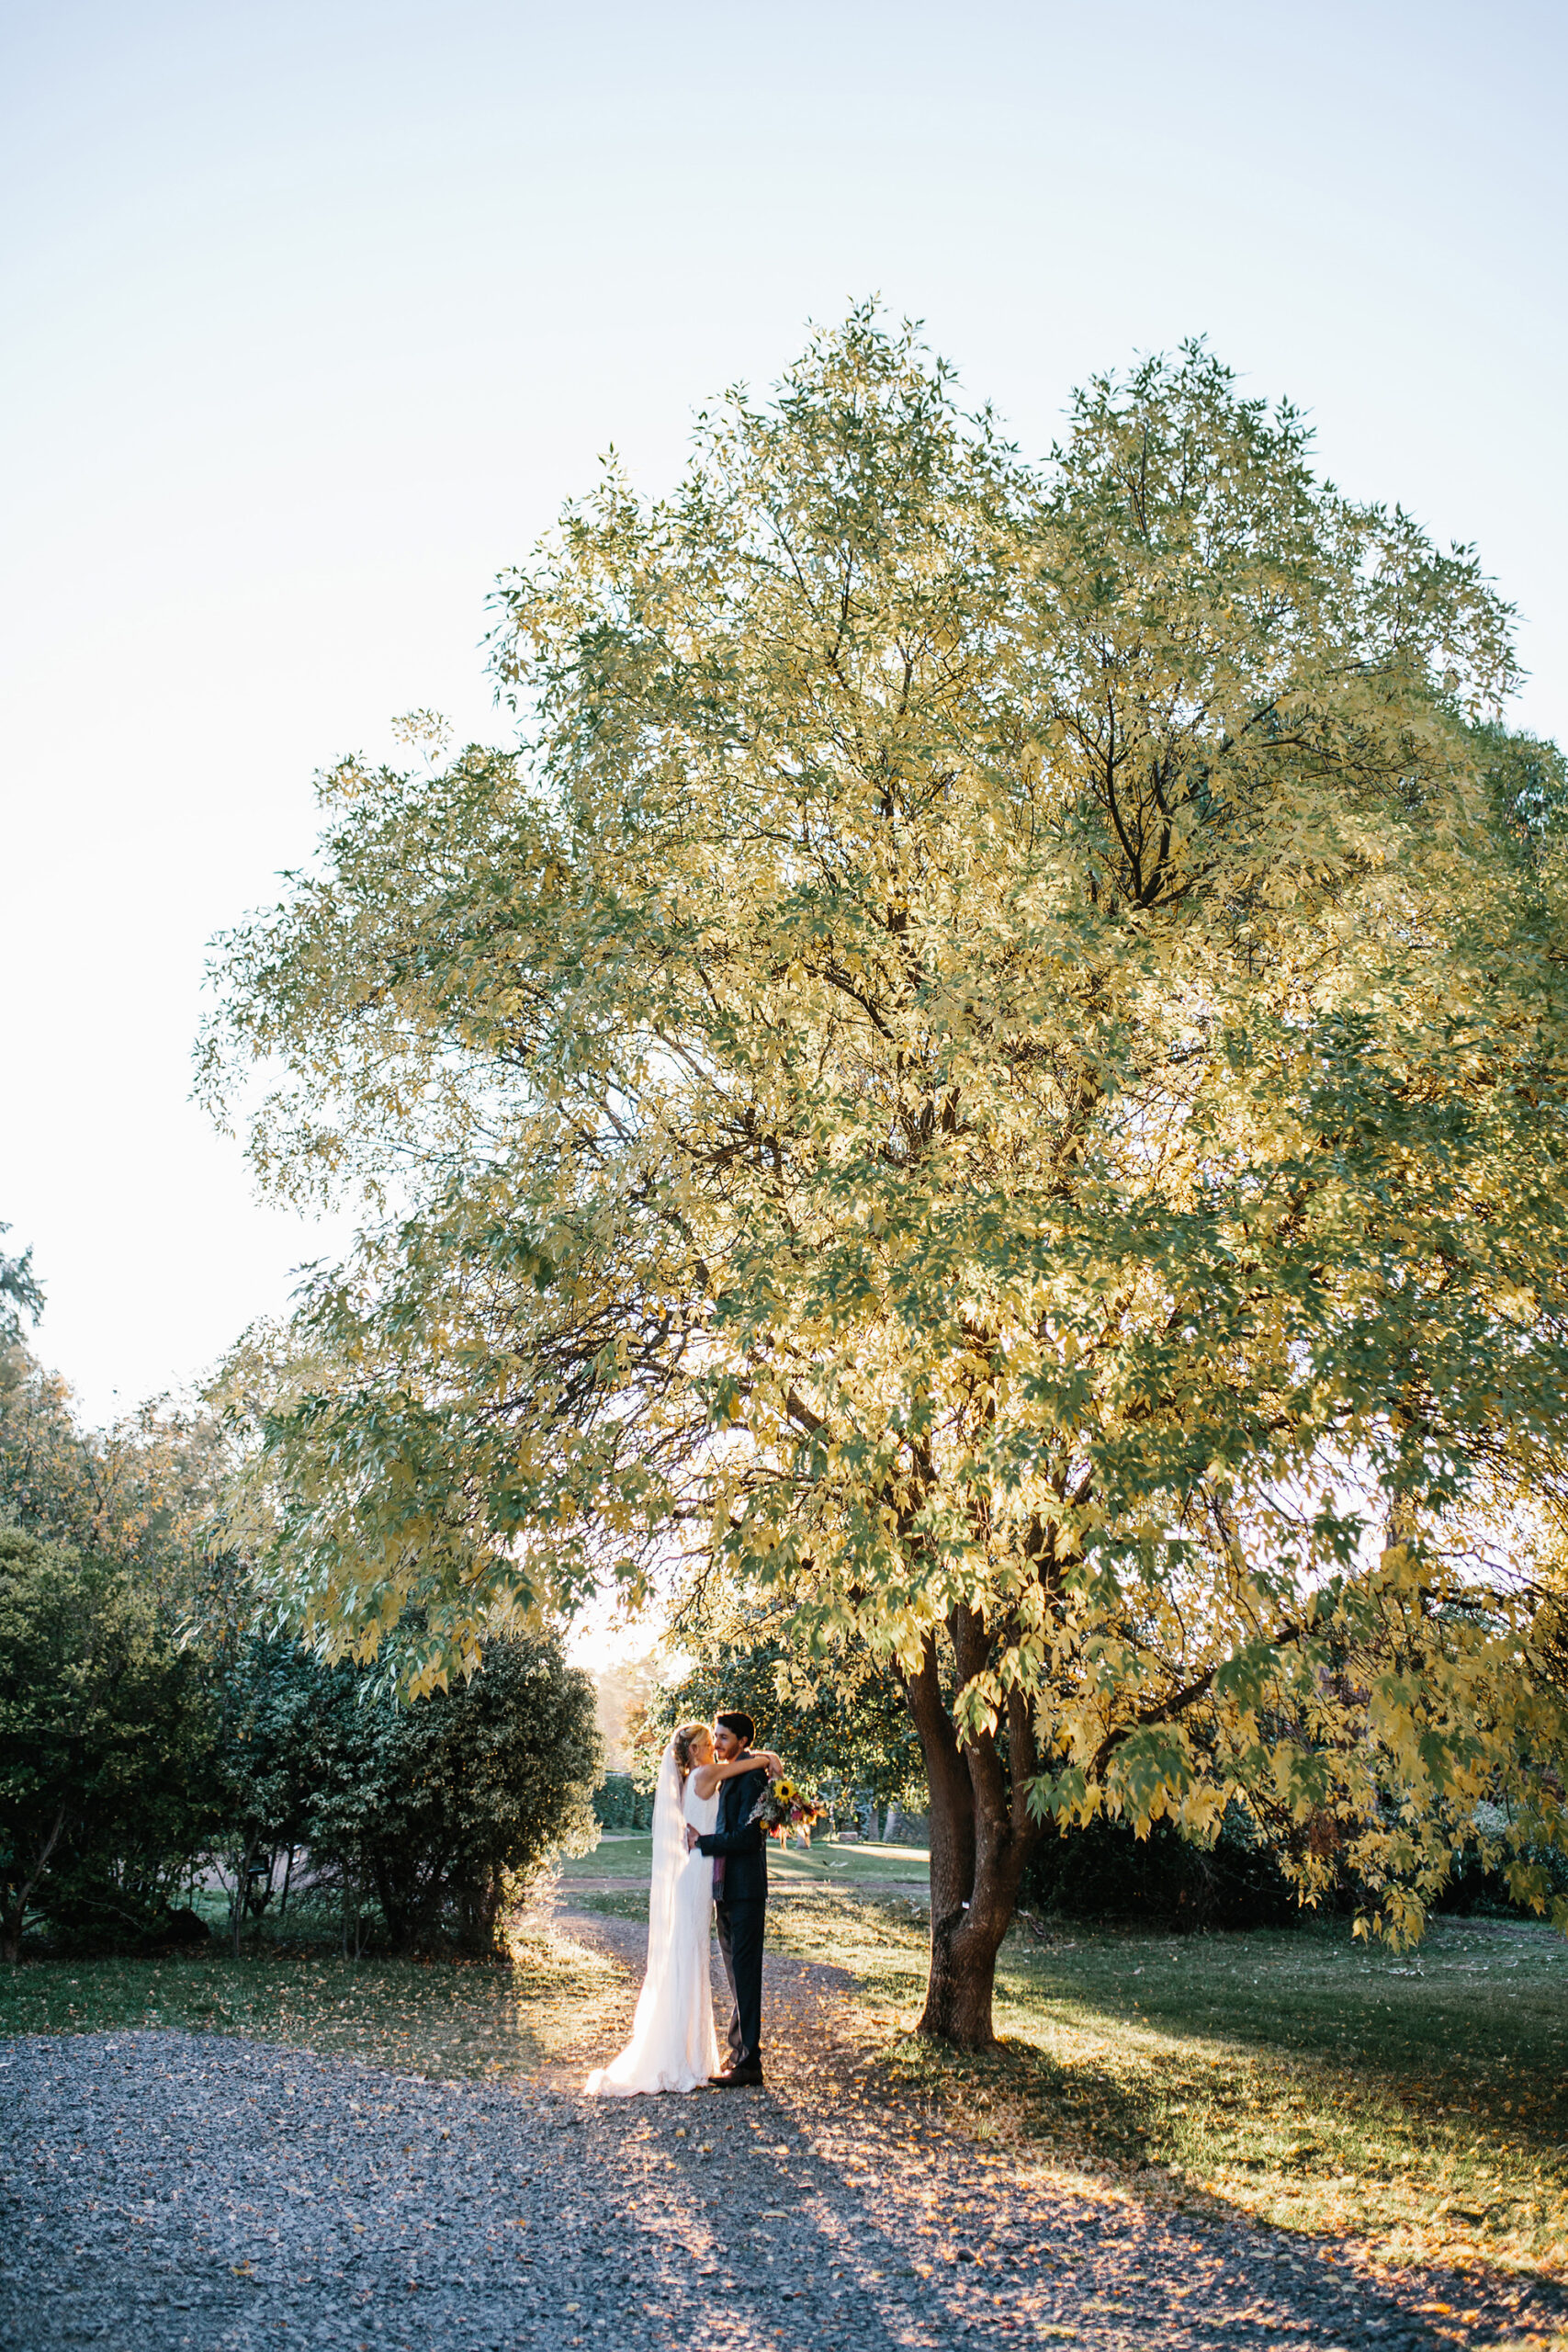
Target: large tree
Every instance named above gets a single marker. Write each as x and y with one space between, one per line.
994 1065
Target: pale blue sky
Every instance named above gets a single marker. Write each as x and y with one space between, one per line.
313 314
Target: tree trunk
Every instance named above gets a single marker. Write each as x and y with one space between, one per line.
484 1909
400 1924
960 1985
241 1861
981 1835
966 1936
16 1914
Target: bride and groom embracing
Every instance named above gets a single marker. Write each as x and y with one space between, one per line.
709 1859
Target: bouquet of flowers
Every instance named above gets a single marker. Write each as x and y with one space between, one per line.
783 1809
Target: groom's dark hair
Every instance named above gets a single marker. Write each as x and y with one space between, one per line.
745 1730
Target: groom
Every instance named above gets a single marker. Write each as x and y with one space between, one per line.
738 1848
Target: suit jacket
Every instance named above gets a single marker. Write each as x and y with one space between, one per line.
743 1844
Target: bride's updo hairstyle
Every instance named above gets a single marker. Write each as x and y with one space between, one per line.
682 1741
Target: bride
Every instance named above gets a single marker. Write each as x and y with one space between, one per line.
673 2047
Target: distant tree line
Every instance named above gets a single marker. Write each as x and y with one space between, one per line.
621 1803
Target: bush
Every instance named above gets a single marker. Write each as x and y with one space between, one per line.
431 1812
106 1786
619 1803
1479 1889
1106 1872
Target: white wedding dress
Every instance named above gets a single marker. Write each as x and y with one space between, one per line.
673 2046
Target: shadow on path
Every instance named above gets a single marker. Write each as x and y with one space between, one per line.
183 2192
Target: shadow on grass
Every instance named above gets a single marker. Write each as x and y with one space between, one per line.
1476 2022
1418 2102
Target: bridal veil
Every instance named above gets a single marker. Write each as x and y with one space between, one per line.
672 2046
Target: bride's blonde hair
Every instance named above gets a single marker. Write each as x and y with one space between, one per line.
680 1741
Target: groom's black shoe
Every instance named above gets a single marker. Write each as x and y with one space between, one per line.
748 2075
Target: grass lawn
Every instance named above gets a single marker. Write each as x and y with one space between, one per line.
823 1863
440 2018
1420 2101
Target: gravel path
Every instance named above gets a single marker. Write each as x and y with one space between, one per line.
171 2190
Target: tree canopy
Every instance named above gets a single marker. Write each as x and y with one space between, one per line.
992 1069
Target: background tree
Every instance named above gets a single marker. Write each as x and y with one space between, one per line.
271 1699
841 1725
47 1481
106 1784
20 1294
149 1494
997 1069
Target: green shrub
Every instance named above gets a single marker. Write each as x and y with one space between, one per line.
1105 1871
619 1803
428 1811
1478 1888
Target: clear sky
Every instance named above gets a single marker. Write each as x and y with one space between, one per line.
312 314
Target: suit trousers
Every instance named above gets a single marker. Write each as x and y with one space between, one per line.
740 1929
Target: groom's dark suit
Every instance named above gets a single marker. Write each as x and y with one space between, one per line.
742 1905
